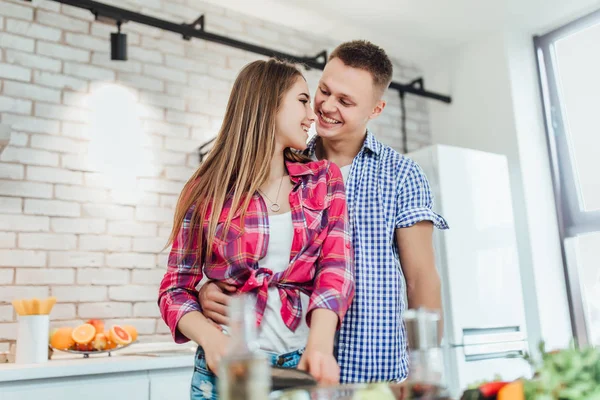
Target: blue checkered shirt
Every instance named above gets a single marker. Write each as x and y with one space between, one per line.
385 191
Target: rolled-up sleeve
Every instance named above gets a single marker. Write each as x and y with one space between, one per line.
415 200
334 277
177 294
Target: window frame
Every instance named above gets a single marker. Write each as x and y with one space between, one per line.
572 220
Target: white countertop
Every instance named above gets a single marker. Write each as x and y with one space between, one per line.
137 357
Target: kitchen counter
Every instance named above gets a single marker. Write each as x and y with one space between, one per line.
141 371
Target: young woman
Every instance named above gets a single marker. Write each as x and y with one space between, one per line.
260 217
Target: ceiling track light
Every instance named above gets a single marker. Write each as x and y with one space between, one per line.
118 45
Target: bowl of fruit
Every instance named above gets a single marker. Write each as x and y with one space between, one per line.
92 338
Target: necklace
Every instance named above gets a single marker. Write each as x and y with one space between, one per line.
274 205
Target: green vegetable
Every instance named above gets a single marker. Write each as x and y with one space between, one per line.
569 374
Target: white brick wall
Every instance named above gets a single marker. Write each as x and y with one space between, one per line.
28 189
102 276
32 30
56 208
32 61
44 276
6 313
133 293
146 310
63 312
29 156
76 259
68 227
10 9
53 175
24 223
6 276
130 260
8 71
8 240
10 41
80 294
62 21
11 171
47 241
62 52
13 105
8 293
105 310
22 258
10 205
60 81
31 124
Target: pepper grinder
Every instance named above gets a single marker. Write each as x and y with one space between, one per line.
426 363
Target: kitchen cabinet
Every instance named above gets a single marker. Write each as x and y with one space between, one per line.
172 384
131 386
135 377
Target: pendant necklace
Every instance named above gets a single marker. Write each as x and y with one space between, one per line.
274 205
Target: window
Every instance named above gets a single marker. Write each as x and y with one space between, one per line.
569 70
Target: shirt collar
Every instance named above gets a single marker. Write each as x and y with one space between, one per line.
370 144
297 169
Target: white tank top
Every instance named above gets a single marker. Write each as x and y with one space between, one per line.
274 335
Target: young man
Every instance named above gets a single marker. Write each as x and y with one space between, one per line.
390 212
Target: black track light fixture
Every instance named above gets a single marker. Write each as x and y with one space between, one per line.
118 45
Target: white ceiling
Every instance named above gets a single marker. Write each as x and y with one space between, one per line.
416 30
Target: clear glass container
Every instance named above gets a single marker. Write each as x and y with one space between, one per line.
244 370
426 360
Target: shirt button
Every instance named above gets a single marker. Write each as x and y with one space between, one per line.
320 202
347 245
298 230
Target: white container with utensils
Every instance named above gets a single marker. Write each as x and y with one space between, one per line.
32 339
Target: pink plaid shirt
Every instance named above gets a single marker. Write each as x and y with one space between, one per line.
321 259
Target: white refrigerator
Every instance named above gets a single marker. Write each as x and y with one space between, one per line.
484 317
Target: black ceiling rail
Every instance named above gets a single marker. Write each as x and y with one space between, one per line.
194 30
197 30
107 13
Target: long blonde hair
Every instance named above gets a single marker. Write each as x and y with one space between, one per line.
240 159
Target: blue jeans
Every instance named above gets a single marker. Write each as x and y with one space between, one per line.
204 382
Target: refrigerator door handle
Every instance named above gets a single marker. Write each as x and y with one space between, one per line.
495 350
492 335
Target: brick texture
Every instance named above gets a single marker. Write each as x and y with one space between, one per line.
100 150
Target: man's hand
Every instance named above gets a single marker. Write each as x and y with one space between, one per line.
214 300
321 365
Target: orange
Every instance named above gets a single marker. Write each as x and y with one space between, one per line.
132 332
98 324
84 334
512 391
83 347
61 339
109 343
119 335
99 342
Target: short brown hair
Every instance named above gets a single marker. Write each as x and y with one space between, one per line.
367 56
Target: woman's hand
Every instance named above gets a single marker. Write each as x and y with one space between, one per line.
213 341
321 365
214 350
318 359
